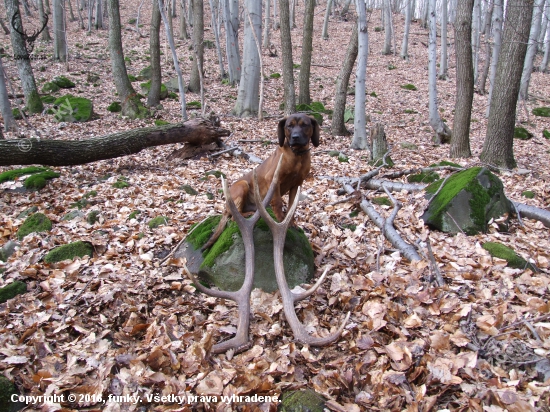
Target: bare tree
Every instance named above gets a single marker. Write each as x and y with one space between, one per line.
59 30
43 20
324 35
153 97
443 63
544 63
387 49
99 15
267 25
288 64
460 141
487 31
442 132
307 50
183 22
19 40
10 125
476 30
231 20
248 95
498 145
216 28
497 43
405 44
338 127
360 119
198 46
531 49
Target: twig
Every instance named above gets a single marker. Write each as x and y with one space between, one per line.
454 221
169 255
255 141
519 322
438 277
224 151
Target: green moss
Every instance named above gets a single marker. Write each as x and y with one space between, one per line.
193 105
132 78
223 243
546 134
501 251
91 193
382 200
48 99
522 133
275 75
63 82
7 389
39 180
542 111
50 87
423 177
408 146
409 86
69 252
17 114
92 217
114 107
160 122
34 223
158 221
189 190
121 183
445 163
73 109
529 194
146 87
13 174
134 214
302 400
10 291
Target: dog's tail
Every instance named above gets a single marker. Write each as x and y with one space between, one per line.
219 230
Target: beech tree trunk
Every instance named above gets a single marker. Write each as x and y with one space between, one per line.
75 152
231 20
198 46
153 98
307 49
497 42
45 35
22 59
531 50
288 64
405 44
359 141
460 140
498 147
10 125
338 126
443 64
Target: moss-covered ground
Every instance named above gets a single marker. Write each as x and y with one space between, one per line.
69 252
37 222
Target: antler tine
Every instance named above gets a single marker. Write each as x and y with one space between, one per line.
288 297
301 296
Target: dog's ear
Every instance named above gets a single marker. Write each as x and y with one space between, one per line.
281 132
316 132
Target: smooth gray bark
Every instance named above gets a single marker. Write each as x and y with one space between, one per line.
405 44
288 63
198 46
360 141
531 50
307 50
10 125
231 21
153 98
497 43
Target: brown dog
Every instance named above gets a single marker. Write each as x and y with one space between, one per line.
295 133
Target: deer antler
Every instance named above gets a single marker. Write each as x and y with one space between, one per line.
28 39
242 296
289 298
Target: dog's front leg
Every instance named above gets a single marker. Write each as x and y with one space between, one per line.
277 204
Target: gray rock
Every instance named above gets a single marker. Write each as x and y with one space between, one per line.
7 250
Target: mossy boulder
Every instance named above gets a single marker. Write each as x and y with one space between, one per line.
158 221
69 108
467 202
15 173
7 389
146 87
50 87
12 290
302 400
223 264
38 181
69 252
501 251
423 177
546 134
63 82
145 73
38 222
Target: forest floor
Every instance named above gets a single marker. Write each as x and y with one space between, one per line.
122 324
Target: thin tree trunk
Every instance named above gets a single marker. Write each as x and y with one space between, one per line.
76 152
498 145
387 27
288 64
170 38
338 126
405 44
497 43
307 50
544 63
324 35
248 95
153 98
460 141
360 119
487 31
442 132
267 24
443 63
476 28
23 61
99 15
531 50
183 22
45 36
10 125
198 46
59 34
231 19
214 17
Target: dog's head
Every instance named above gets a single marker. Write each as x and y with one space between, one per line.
298 129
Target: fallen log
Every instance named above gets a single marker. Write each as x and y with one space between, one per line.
195 132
